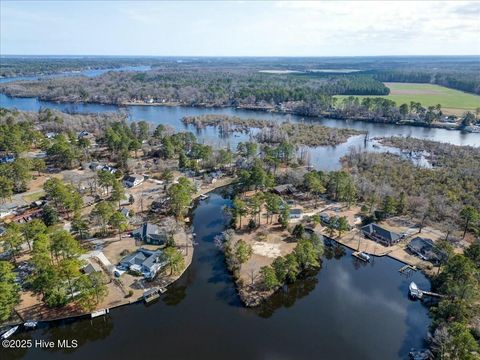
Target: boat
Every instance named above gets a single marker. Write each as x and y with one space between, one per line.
414 291
9 332
203 197
364 256
30 324
361 256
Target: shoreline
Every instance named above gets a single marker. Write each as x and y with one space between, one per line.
116 303
252 298
333 116
131 300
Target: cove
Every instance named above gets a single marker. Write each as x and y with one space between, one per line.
346 310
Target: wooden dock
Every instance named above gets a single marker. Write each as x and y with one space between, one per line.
429 293
417 293
407 268
100 312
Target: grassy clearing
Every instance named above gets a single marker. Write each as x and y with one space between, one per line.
33 196
453 101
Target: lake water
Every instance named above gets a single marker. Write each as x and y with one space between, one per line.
347 310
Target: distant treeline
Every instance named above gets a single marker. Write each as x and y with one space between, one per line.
458 72
196 88
300 95
33 66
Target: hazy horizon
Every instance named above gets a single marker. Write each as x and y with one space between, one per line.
238 56
240 29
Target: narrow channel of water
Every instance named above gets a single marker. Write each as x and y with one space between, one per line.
347 310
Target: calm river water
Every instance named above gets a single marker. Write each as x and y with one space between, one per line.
325 157
347 310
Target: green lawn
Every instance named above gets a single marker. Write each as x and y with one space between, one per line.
33 196
452 101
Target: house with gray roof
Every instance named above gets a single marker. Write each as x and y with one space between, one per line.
133 180
146 262
284 189
90 268
381 235
150 234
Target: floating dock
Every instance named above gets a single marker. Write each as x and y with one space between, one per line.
99 313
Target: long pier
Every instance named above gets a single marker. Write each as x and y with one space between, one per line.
417 293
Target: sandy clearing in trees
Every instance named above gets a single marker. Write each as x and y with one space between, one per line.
265 249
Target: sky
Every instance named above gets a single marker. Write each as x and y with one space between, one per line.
239 28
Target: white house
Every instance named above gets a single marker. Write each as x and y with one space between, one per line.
133 180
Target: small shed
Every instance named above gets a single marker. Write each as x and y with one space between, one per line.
90 268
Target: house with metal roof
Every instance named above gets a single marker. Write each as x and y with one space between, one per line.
150 234
381 235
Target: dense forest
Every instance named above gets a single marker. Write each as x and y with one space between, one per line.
48 120
306 89
441 70
301 95
194 88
